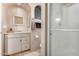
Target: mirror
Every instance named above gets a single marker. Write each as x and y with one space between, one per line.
18 20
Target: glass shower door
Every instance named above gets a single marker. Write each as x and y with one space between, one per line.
64 29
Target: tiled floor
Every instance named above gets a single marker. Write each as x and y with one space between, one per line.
29 53
33 53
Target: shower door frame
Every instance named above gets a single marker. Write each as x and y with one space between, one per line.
44 30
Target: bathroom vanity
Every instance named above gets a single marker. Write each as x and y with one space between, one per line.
17 28
17 42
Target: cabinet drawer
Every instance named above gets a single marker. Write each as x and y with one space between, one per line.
25 40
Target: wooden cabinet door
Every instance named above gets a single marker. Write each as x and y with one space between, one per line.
13 45
25 43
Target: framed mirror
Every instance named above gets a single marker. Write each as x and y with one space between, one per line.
17 20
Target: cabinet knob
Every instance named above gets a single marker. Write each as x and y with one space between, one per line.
36 36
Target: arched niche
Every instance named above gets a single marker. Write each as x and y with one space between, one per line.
37 12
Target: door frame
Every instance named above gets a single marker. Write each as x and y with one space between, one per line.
48 30
44 29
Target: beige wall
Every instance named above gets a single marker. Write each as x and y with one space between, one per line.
21 13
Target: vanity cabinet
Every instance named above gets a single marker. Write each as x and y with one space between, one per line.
25 43
15 43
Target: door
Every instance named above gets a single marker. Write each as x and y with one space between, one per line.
64 30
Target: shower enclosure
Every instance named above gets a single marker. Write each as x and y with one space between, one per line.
63 29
